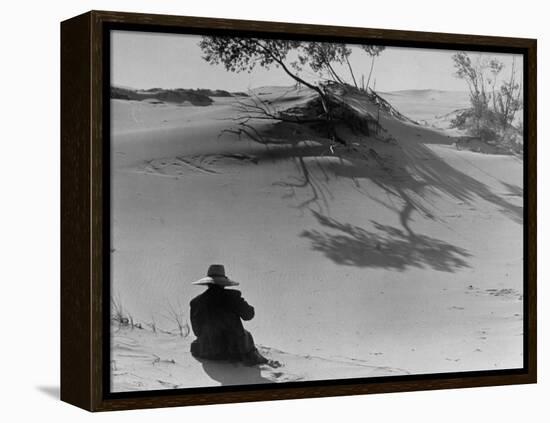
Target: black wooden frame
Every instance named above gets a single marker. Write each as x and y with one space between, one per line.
85 209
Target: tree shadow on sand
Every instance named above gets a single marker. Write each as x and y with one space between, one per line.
388 247
416 173
407 169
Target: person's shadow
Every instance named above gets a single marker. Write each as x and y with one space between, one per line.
232 373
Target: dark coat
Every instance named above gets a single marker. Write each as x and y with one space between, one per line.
216 322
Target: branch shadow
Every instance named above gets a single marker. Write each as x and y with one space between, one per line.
437 173
387 247
513 190
408 169
417 172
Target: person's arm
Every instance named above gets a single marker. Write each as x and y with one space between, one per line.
193 315
241 307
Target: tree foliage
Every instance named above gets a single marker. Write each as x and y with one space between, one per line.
321 56
243 54
493 102
373 51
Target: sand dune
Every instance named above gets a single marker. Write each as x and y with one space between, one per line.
428 106
142 359
399 248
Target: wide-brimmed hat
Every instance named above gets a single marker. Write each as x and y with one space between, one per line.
216 276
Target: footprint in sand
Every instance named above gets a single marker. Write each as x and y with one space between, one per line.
505 293
167 384
210 164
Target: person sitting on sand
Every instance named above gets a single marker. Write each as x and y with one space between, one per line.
216 321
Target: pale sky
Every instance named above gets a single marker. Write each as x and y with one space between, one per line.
146 60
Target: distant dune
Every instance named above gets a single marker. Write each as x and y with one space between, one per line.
197 97
427 105
426 92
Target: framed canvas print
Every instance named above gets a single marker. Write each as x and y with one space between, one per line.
256 211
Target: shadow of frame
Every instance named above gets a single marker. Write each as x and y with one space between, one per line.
50 391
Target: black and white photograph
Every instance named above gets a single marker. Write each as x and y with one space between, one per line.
287 210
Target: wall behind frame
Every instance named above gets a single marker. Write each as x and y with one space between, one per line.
30 216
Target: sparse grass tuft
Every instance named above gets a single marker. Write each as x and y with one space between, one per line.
176 315
117 312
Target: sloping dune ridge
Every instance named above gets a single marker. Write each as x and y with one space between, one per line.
394 254
146 360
